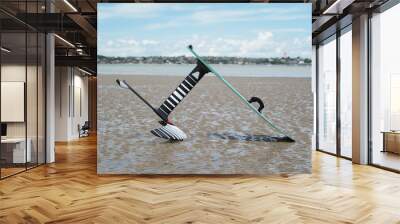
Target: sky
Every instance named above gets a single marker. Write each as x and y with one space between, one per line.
257 30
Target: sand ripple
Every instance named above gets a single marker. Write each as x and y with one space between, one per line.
126 145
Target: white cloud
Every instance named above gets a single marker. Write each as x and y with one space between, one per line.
127 47
163 25
149 42
201 15
212 16
264 44
140 10
125 10
222 16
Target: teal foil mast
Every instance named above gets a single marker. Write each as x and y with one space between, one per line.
234 90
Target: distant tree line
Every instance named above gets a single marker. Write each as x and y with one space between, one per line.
211 59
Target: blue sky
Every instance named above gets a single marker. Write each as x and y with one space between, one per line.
245 30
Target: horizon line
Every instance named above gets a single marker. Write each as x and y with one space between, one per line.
206 56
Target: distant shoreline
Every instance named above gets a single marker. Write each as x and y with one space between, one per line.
210 59
207 76
225 70
195 64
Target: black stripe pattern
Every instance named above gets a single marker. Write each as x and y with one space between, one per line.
182 90
169 132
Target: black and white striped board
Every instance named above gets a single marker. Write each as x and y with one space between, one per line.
182 90
170 132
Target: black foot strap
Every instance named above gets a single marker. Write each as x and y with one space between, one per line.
259 101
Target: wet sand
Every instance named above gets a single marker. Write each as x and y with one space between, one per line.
126 146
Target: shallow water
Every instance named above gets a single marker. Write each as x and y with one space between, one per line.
300 71
127 146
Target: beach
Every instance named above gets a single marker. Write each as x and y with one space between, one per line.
126 146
